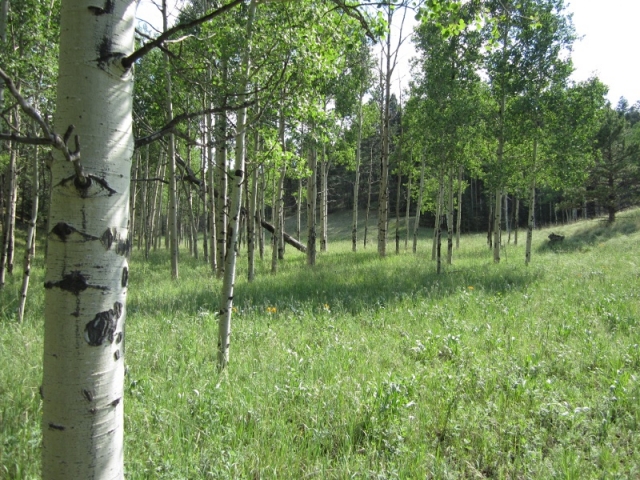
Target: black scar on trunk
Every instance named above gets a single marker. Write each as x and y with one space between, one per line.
103 326
73 282
125 277
107 238
63 231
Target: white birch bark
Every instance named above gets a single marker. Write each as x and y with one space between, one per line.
221 202
323 198
30 250
87 270
228 282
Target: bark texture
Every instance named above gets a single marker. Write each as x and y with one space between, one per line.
87 270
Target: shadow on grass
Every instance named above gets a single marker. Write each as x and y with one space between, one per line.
342 282
597 232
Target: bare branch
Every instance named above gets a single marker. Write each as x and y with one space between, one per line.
169 127
353 12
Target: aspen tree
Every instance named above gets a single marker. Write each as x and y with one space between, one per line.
228 282
87 270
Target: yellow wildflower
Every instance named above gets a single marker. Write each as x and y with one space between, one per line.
470 287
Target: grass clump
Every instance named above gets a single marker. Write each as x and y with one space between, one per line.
374 368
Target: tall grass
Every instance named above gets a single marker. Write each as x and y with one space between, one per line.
372 368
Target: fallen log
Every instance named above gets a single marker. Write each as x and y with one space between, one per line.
287 238
554 238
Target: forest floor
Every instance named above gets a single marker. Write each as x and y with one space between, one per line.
364 367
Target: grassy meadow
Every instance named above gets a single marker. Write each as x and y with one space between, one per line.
370 368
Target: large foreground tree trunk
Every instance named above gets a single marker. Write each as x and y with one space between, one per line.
87 270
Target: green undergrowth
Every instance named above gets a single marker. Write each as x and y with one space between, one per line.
364 367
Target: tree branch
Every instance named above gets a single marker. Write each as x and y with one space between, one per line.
59 143
147 47
169 127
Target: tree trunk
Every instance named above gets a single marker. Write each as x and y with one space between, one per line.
398 192
532 207
406 221
8 237
450 220
416 223
356 185
459 219
531 220
516 220
221 202
87 269
299 209
311 207
278 250
30 248
228 283
497 224
261 214
171 153
439 209
253 213
324 173
204 196
366 221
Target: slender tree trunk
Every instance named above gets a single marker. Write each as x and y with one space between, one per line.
398 196
261 214
532 208
204 196
459 219
30 248
407 215
311 207
356 185
226 301
516 220
278 250
439 210
299 209
507 224
497 225
416 223
438 238
324 173
221 201
369 182
86 268
171 153
133 200
450 220
144 199
253 213
8 240
383 199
